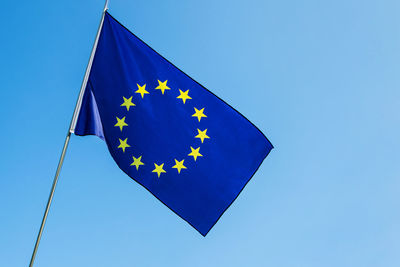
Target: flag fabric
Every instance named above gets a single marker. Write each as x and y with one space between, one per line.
186 146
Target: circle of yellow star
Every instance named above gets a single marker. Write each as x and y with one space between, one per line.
121 123
162 86
137 162
142 90
184 95
159 169
123 144
202 135
179 165
199 113
127 103
195 153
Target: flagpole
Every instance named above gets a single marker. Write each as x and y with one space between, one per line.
67 138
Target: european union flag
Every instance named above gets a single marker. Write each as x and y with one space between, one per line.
185 145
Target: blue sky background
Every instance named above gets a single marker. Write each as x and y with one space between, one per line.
319 78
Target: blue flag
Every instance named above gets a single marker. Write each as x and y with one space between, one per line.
167 132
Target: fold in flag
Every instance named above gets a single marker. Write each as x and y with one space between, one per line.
167 132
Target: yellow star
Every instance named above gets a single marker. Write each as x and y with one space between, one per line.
121 123
202 135
199 113
162 86
184 95
195 153
179 165
142 90
127 103
159 169
137 162
123 144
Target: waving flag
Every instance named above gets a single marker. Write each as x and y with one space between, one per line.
185 145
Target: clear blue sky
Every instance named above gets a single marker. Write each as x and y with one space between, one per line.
319 78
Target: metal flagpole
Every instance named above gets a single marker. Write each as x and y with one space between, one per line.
70 130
